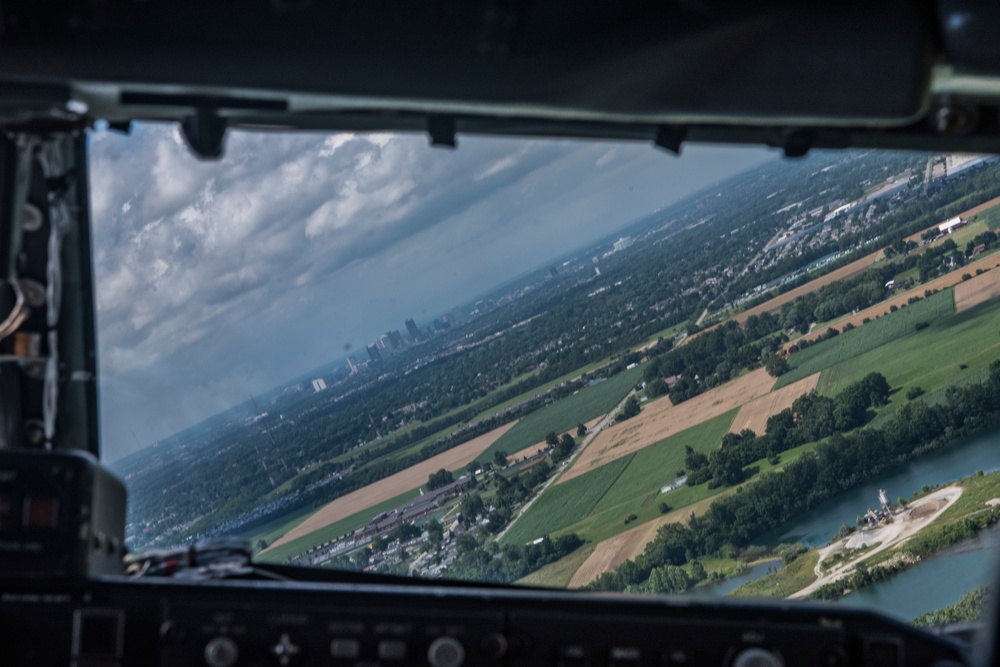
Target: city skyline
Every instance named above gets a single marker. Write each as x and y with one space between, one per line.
212 279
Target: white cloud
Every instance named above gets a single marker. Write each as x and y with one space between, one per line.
608 156
496 168
213 276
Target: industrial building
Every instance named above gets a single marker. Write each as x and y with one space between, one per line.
951 225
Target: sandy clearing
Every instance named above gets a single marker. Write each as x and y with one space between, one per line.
754 415
943 282
976 290
612 552
908 523
660 419
392 486
605 558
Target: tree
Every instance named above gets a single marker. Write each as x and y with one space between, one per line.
877 388
440 478
500 459
776 365
581 430
465 543
405 532
564 448
630 410
435 531
551 439
727 466
471 506
694 460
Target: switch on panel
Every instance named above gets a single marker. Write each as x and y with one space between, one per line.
98 635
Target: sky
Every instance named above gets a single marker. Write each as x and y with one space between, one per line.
216 280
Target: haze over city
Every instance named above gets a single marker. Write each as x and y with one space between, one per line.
216 280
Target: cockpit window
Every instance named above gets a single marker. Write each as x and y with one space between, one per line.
585 365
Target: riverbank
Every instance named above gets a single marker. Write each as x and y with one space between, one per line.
930 524
907 522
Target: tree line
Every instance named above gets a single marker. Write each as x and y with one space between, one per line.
842 462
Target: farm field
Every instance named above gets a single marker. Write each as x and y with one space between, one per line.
849 271
564 504
939 284
938 396
754 415
572 375
968 338
612 552
654 467
558 573
859 340
668 333
607 528
564 414
334 530
384 489
977 290
539 446
975 210
660 419
991 218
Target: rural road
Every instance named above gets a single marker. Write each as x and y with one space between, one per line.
608 419
906 524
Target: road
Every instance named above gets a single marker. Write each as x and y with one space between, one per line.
587 439
906 524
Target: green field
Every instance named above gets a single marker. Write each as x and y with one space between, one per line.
991 217
566 503
930 358
565 414
333 531
657 465
558 573
856 342
793 577
610 522
937 397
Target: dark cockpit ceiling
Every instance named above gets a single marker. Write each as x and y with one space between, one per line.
796 75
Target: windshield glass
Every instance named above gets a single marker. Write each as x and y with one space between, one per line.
558 363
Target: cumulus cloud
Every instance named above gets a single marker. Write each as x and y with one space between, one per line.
216 279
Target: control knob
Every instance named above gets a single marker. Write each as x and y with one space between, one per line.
446 652
757 657
221 652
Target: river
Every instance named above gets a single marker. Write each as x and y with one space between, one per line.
820 525
935 582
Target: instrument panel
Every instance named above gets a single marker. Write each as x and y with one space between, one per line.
115 622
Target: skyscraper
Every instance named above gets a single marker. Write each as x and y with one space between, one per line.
411 326
374 354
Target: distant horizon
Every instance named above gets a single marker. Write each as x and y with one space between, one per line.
215 281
